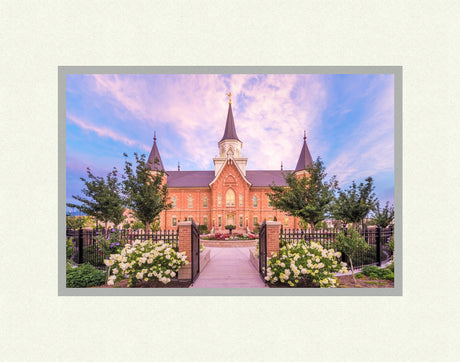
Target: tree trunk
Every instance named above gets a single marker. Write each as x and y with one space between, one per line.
147 227
312 224
352 271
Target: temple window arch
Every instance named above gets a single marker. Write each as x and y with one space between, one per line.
190 201
254 201
230 198
205 201
174 201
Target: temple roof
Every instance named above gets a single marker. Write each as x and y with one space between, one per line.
204 178
155 154
305 159
230 130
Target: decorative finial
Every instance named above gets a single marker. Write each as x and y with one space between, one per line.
304 135
178 166
281 165
229 98
154 136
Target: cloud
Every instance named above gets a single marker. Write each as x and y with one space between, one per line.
369 149
105 132
270 117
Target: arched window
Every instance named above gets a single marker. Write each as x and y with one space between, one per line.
254 201
174 221
219 200
241 200
230 198
174 201
190 202
205 201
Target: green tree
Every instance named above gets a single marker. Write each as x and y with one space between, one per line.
75 222
308 198
103 199
383 217
353 204
146 193
352 244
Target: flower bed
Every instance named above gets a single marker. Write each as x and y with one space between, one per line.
235 236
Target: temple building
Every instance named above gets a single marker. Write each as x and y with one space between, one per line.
228 195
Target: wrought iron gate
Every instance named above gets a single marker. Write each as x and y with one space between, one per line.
195 251
263 250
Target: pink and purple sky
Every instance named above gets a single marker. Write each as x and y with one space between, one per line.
349 120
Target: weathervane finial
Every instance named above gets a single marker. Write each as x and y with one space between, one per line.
229 98
304 135
154 136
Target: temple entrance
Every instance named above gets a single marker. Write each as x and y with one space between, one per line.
230 219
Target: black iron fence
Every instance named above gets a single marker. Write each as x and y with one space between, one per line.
87 244
378 240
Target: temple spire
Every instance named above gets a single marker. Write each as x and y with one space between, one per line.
155 155
230 130
305 159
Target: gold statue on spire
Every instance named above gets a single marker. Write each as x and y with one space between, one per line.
229 98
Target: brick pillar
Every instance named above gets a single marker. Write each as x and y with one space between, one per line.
273 237
185 245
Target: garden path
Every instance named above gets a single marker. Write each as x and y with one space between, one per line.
229 268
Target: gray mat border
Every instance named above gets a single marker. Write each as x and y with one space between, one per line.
64 70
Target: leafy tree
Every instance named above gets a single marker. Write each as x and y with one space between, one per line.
383 217
353 204
75 222
136 225
103 200
308 198
146 194
352 244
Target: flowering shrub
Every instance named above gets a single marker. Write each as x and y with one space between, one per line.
310 262
256 252
113 243
145 261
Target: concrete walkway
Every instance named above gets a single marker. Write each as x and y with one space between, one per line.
229 268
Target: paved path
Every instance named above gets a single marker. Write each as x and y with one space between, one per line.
229 268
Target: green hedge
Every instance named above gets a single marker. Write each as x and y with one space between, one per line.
84 276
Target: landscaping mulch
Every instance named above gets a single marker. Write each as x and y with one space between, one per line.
346 281
153 284
302 284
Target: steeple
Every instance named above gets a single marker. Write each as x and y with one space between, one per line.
155 155
305 159
230 130
230 145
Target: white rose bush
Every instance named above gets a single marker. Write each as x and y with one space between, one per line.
145 261
309 262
